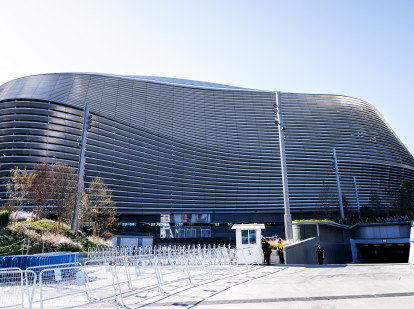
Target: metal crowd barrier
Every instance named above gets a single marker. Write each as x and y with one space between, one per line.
16 287
65 286
112 275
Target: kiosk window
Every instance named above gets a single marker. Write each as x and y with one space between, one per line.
252 237
248 237
245 237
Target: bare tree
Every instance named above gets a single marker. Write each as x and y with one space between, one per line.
347 208
391 202
63 189
325 201
17 188
101 210
406 198
40 192
84 210
375 202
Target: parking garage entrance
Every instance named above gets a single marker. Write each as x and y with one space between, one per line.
383 253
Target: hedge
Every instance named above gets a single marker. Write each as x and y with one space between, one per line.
4 217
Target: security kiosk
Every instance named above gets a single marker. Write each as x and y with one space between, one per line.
248 243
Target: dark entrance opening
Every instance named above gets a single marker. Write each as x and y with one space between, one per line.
384 253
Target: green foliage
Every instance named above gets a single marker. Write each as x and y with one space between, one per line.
17 188
8 239
10 243
48 225
63 187
57 187
53 226
367 212
100 208
87 243
316 220
55 237
371 218
4 217
353 221
40 192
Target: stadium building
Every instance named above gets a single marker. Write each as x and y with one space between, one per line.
187 159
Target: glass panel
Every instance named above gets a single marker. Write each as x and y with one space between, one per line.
252 237
205 233
191 233
245 237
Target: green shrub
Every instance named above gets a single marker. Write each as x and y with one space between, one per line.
44 232
51 226
4 217
87 243
46 224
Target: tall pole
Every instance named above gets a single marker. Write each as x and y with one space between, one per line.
279 121
357 196
338 183
81 168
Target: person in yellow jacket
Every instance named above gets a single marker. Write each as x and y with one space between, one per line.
280 251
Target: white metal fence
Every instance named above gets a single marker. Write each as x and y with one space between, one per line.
113 275
63 287
16 287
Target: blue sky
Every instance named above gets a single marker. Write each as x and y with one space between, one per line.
358 48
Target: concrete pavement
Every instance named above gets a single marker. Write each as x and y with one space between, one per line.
278 286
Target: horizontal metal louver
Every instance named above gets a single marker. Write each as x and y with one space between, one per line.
172 146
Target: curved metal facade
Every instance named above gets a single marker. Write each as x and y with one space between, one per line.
366 148
168 146
160 147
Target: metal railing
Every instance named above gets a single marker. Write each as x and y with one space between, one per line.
113 275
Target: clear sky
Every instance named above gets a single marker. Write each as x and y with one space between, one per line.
357 48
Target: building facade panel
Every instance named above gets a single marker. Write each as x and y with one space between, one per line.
168 146
366 147
183 149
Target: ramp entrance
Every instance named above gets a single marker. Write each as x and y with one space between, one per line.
384 253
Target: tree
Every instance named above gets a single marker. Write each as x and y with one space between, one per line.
63 190
40 192
347 207
391 202
325 201
406 198
84 210
17 188
101 212
375 202
367 212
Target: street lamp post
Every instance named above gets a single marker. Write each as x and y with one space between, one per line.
279 121
81 167
357 196
338 183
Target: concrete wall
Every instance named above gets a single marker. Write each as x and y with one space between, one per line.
130 241
394 230
330 233
337 242
336 253
304 252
